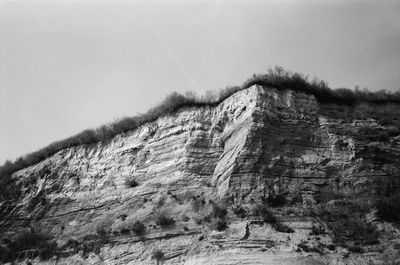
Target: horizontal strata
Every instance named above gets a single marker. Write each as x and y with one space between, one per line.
258 143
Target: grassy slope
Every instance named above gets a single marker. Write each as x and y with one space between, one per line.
355 103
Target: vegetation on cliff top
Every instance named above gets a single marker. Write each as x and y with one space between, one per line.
277 78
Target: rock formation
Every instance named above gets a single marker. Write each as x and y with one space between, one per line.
165 186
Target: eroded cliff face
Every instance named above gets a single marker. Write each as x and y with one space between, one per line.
259 144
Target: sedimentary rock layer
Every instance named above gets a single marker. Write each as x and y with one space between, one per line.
258 144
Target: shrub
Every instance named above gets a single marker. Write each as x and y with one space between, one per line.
268 217
348 224
131 182
125 227
317 230
389 208
278 226
388 201
282 79
374 134
277 200
331 247
219 224
103 228
89 244
385 114
355 249
158 255
266 214
163 220
71 243
139 228
27 240
239 211
86 243
219 210
304 246
198 203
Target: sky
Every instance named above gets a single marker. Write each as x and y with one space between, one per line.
66 66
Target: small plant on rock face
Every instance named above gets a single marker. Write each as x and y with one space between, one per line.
219 210
198 203
306 247
268 217
278 226
127 226
131 182
158 255
276 200
239 211
355 249
217 216
266 214
139 228
219 224
28 239
163 220
103 228
388 202
348 225
317 230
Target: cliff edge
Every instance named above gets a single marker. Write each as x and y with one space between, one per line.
261 178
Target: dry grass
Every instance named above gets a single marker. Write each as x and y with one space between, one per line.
276 78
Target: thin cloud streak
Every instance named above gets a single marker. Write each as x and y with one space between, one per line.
176 59
69 65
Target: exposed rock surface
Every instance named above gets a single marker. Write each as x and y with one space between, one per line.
258 144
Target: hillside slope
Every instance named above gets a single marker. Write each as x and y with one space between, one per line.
258 178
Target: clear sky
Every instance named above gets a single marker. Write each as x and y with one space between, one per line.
70 65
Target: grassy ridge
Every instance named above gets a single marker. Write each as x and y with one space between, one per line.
277 78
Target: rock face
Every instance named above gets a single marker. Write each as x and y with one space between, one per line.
259 144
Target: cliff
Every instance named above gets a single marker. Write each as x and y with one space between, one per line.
242 182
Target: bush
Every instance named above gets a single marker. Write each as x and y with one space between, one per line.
388 201
158 255
85 243
27 240
71 243
266 214
163 220
90 243
139 228
384 114
356 230
355 249
239 211
219 210
268 217
348 225
304 246
317 230
131 182
103 228
125 227
331 247
198 203
282 79
389 208
278 226
219 225
277 200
